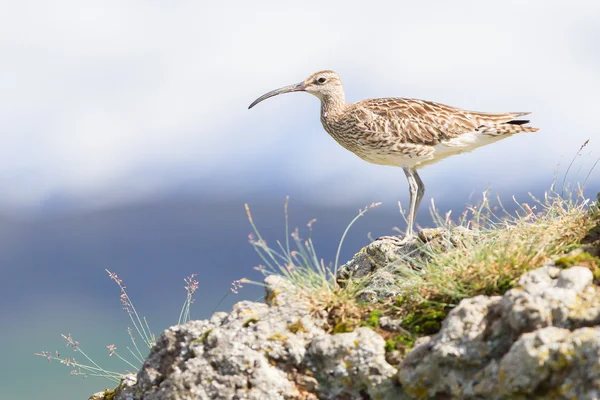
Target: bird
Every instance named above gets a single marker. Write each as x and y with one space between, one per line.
402 132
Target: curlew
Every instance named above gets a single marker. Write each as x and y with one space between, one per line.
402 132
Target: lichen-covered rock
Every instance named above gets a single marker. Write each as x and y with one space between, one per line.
261 351
379 259
554 362
352 362
390 324
540 340
381 252
444 363
529 343
549 296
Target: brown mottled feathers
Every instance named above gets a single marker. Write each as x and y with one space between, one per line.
428 123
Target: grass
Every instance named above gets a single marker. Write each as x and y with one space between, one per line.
140 332
484 252
497 247
298 262
487 250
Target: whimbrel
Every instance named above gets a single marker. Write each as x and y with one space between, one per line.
408 133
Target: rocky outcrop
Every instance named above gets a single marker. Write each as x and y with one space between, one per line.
276 350
540 340
380 259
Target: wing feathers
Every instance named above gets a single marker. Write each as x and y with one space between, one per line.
426 122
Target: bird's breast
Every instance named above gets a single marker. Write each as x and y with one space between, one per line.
372 147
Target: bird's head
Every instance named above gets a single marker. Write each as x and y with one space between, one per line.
323 84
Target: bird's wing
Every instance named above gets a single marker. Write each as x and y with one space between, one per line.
425 122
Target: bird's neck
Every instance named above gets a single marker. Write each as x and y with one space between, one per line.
333 105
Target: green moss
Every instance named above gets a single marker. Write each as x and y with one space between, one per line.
202 337
577 259
505 284
390 345
372 320
109 394
249 321
277 337
272 299
297 327
583 259
402 342
342 327
425 319
401 301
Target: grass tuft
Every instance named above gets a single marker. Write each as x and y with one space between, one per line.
494 248
141 331
298 262
483 253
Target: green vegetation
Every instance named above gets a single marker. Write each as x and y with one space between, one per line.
402 342
250 321
342 327
373 319
297 327
141 331
499 248
202 337
583 259
425 318
484 252
109 394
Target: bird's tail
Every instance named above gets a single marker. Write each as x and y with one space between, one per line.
501 124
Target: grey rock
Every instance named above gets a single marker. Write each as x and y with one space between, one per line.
556 362
126 389
380 253
350 363
551 297
383 258
575 278
533 342
445 363
390 324
539 340
276 350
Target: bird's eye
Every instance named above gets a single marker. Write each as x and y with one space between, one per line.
321 80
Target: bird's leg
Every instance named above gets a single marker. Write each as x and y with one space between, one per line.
416 189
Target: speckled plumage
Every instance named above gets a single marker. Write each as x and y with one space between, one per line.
408 133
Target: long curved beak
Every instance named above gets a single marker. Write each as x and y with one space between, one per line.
299 87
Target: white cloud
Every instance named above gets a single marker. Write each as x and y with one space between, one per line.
135 97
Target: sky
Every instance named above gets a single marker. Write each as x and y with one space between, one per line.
109 103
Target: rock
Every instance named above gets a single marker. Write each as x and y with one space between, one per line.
277 350
352 362
539 340
380 253
555 361
575 278
390 324
126 389
549 296
446 362
530 342
380 260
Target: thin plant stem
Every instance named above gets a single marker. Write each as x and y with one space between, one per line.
590 172
339 249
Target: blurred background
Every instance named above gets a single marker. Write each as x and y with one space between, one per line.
126 143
